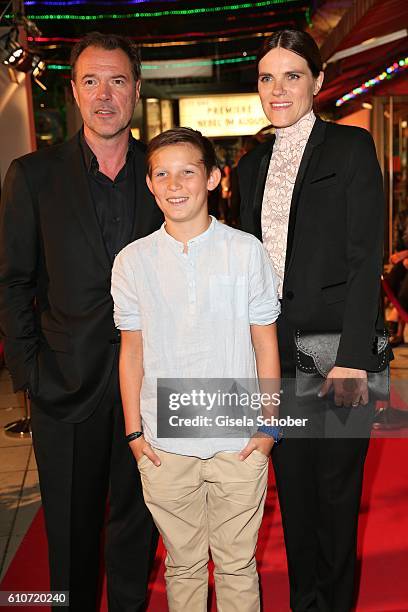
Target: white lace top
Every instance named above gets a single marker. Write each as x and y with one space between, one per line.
287 154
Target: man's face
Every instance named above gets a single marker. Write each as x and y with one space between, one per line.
286 87
179 182
105 90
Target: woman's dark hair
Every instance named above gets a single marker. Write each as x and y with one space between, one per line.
297 41
109 42
183 135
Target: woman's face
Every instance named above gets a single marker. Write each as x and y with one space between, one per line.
286 86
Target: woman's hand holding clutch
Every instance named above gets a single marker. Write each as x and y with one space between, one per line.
349 385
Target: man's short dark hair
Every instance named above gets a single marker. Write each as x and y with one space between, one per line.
110 42
183 135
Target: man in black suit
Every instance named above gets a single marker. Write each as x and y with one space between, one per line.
66 212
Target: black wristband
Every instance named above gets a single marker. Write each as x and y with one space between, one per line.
134 436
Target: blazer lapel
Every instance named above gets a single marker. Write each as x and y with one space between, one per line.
77 193
296 211
259 187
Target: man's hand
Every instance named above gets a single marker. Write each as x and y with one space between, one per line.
260 442
350 386
140 447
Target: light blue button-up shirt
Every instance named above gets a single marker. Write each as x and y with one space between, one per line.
195 310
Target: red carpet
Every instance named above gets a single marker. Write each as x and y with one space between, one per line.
383 543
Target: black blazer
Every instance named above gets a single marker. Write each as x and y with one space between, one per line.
55 276
335 237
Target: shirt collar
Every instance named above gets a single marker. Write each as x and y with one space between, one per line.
179 246
298 131
91 161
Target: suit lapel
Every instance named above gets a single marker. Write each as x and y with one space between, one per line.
296 211
77 193
259 187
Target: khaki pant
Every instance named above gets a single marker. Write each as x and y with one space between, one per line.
202 504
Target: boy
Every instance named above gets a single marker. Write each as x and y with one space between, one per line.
196 299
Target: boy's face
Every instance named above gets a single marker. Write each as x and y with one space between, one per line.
179 182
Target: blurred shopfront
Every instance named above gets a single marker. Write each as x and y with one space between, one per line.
366 85
386 117
391 135
206 78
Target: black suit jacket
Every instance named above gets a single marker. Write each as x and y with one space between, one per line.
335 237
55 275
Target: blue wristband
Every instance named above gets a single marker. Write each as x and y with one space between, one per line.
273 432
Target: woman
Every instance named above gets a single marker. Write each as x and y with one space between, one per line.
314 196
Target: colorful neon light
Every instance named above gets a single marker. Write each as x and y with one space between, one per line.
387 74
148 15
181 63
79 2
176 39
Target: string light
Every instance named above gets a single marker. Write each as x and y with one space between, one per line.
59 67
388 73
177 39
148 15
79 2
180 64
170 43
216 36
51 39
218 39
217 62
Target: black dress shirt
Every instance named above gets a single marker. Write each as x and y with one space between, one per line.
114 201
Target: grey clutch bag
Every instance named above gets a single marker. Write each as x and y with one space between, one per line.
316 355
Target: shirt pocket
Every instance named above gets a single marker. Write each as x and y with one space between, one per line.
228 296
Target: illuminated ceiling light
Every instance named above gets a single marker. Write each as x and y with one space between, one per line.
371 43
39 68
388 73
11 52
13 55
367 105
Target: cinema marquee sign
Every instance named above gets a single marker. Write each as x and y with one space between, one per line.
229 115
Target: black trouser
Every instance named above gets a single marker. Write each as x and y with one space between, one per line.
79 464
319 482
